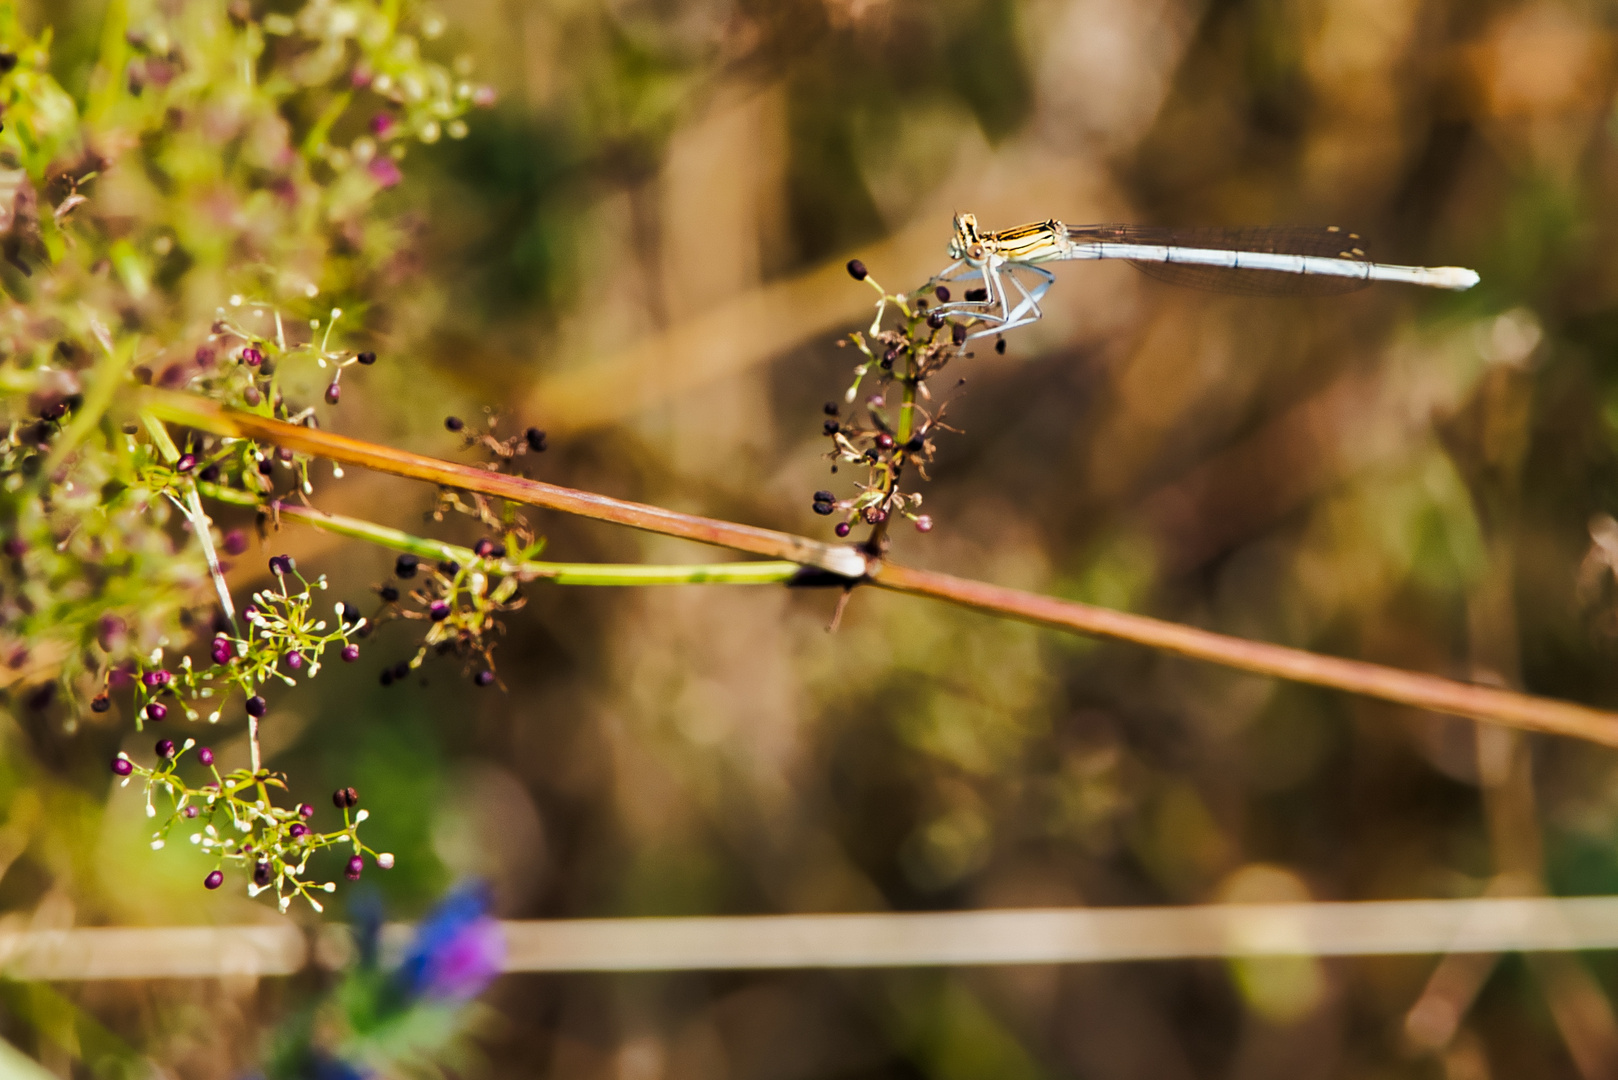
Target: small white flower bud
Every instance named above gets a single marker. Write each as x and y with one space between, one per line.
385 860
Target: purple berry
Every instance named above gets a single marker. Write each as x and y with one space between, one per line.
857 271
453 423
439 611
295 661
111 632
356 866
281 564
450 567
884 441
297 830
213 880
351 653
156 678
256 707
157 711
942 294
262 874
189 812
221 650
483 548
252 357
305 811
367 358
483 678
186 463
843 528
235 542
205 756
122 766
165 748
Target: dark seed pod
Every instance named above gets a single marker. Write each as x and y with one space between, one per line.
935 320
450 567
957 334
367 358
256 707
536 440
334 394
401 671
210 474
942 293
483 548
830 408
825 509
453 423
186 463
483 678
438 610
100 703
977 296
1000 346
281 564
884 441
831 427
389 594
857 271
262 875
252 396
405 566
345 798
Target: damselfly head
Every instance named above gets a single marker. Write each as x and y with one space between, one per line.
966 244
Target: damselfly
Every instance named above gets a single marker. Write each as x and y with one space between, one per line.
1283 261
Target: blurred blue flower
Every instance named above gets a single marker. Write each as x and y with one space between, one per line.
457 951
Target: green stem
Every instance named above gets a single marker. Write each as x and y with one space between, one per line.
317 134
741 573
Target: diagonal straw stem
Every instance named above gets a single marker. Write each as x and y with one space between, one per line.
1431 692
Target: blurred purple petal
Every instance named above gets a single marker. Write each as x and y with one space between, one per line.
458 948
384 171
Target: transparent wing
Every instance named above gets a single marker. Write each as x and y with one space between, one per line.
1325 241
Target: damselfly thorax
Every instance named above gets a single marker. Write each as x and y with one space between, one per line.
1266 261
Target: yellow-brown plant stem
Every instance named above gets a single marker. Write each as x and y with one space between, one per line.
1485 703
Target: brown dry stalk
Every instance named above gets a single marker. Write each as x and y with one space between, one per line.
1432 692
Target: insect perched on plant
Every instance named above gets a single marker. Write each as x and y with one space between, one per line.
1270 261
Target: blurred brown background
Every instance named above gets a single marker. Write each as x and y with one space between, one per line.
640 250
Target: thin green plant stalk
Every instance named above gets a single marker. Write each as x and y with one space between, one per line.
627 574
